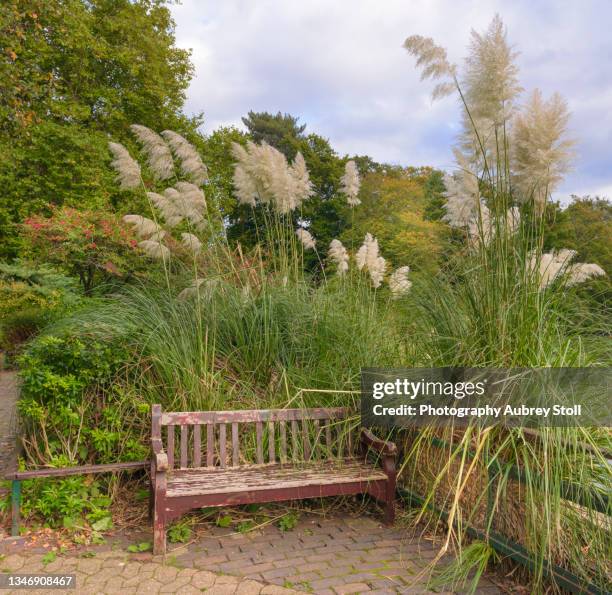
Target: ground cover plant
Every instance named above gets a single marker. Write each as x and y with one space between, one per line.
261 269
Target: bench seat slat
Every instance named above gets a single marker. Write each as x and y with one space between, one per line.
195 482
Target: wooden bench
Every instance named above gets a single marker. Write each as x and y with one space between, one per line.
216 458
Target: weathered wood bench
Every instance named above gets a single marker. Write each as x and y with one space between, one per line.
216 458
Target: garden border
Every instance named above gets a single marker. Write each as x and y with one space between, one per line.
18 476
565 578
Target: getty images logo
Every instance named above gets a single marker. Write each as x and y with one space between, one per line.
427 388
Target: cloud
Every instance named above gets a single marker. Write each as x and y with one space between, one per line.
340 67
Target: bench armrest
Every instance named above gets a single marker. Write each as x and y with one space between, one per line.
161 461
382 446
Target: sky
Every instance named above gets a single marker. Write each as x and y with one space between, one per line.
340 67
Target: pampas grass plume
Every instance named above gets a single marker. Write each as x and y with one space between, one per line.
306 238
351 183
159 157
192 165
128 170
339 256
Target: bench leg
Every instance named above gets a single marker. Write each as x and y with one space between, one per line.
151 491
390 511
389 467
159 529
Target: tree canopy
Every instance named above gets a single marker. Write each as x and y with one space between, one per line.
393 208
74 74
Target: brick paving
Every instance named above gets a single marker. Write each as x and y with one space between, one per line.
114 572
333 555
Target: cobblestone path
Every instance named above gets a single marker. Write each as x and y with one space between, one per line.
110 572
335 555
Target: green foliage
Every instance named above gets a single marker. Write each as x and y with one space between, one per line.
224 520
30 298
246 526
180 531
584 225
288 521
216 153
72 503
48 558
75 72
136 548
394 209
470 565
19 327
434 196
91 245
70 406
279 130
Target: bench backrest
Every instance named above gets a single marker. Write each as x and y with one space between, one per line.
254 436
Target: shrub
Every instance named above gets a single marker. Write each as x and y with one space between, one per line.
91 245
72 403
31 297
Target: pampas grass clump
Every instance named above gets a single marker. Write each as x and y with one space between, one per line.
552 266
263 175
143 226
192 243
399 284
368 259
155 249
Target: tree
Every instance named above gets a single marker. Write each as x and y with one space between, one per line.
96 248
434 195
76 72
583 226
393 206
280 130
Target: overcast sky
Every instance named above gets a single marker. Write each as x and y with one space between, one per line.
340 66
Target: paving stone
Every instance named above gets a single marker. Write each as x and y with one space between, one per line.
305 577
224 589
340 570
352 588
274 590
89 565
249 587
203 579
165 574
149 586
131 569
176 586
114 585
326 583
12 562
